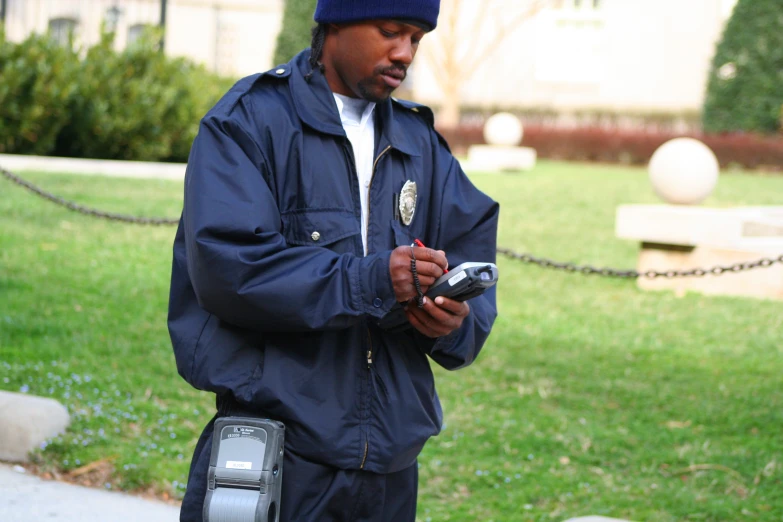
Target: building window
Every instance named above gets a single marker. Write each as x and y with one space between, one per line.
136 31
577 4
61 29
572 43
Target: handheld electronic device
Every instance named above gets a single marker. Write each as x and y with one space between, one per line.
464 282
245 471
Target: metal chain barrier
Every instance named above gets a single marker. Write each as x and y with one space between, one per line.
85 210
633 274
525 258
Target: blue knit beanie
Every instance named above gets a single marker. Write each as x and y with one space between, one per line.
346 11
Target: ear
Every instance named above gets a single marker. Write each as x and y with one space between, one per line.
332 28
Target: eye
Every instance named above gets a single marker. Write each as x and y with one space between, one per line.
386 33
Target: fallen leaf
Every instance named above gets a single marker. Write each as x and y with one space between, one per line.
92 466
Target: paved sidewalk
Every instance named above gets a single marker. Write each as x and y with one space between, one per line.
124 169
24 497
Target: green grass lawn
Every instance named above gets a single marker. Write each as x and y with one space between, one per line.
591 396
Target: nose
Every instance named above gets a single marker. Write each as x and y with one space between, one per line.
403 52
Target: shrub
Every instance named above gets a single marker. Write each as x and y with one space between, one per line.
781 120
295 32
137 104
630 147
744 87
133 105
37 80
649 121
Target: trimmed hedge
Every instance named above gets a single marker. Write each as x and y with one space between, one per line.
628 147
136 104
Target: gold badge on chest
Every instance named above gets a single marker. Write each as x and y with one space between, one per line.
408 202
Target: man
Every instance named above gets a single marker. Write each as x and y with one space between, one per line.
293 245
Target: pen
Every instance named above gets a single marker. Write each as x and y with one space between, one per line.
417 242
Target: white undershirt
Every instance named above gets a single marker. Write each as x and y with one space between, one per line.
358 120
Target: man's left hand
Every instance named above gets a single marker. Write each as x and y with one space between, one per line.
438 318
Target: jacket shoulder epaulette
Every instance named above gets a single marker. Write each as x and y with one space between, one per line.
244 87
281 71
422 110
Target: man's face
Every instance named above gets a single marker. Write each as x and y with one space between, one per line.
369 60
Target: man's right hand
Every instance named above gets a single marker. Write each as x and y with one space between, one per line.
430 265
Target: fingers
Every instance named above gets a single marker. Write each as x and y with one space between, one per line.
437 257
426 281
431 270
418 324
448 312
430 265
437 320
457 308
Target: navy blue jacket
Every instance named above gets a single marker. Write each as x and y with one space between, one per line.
282 321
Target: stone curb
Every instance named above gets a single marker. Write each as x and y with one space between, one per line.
125 169
26 421
24 497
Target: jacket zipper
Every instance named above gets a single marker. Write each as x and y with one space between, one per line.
369 351
369 377
366 448
369 189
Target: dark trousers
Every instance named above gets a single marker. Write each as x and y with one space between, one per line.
316 493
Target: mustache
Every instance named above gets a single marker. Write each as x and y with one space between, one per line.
394 70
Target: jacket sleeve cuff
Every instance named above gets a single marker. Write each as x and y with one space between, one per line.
376 290
429 345
451 351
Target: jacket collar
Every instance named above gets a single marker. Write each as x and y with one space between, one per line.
314 104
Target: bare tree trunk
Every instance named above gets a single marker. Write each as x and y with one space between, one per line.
449 115
454 62
448 75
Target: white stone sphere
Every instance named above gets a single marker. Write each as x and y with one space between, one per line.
684 171
503 129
